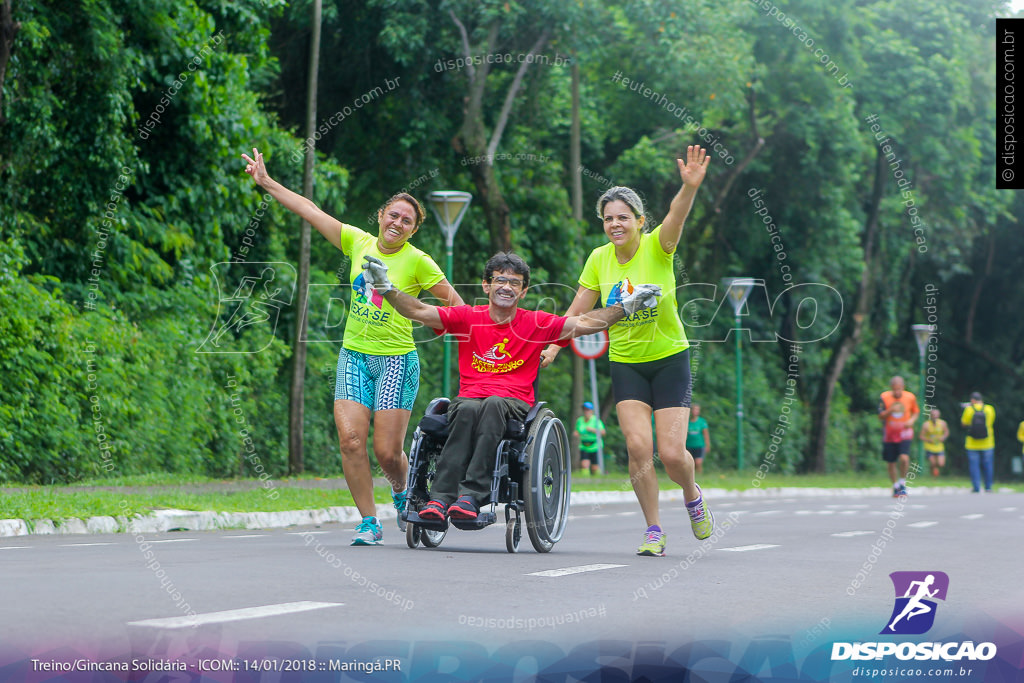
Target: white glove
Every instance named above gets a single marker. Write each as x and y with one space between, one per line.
375 272
642 296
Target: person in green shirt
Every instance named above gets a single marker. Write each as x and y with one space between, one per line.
698 438
650 361
378 367
591 430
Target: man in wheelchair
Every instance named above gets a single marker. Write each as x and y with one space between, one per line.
499 357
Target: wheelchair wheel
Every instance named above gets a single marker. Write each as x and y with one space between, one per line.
412 535
432 539
513 532
548 481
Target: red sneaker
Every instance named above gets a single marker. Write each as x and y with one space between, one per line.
464 508
433 511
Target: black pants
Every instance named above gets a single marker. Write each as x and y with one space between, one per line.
475 427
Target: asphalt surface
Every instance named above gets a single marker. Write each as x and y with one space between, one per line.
776 566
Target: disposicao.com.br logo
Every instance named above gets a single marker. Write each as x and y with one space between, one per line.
913 613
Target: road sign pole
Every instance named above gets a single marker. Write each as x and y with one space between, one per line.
597 413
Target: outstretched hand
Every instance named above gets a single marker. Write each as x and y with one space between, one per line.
642 296
255 168
375 272
692 170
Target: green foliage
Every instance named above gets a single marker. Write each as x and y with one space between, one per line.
121 189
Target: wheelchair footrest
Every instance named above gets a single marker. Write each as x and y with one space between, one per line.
431 524
482 520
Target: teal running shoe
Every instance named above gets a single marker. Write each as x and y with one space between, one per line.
400 500
368 532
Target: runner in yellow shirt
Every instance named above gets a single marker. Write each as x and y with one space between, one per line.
378 367
934 433
650 361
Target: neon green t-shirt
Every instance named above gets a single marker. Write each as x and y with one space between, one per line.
647 335
373 326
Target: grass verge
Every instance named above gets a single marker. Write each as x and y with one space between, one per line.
127 496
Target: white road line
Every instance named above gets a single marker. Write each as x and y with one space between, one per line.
235 614
174 540
848 512
1007 509
305 533
247 536
79 545
565 571
848 534
976 515
922 525
745 548
599 516
12 547
769 512
804 512
626 514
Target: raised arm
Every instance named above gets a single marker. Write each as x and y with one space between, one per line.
691 172
584 301
643 296
327 225
375 272
444 291
412 308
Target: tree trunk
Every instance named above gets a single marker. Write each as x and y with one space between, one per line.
577 214
979 283
8 29
297 400
851 330
471 141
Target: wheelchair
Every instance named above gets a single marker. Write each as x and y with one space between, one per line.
532 479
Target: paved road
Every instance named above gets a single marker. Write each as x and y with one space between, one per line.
779 566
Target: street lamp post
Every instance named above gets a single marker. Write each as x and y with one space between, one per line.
737 291
449 206
922 333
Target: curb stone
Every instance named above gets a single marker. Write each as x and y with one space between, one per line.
185 520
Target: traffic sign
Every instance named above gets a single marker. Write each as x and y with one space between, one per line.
591 346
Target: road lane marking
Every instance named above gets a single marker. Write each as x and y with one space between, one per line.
626 514
745 548
247 536
565 571
174 540
848 534
305 533
235 614
976 515
79 545
769 512
1007 509
922 525
12 547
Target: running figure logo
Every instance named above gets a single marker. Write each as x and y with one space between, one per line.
258 292
914 611
497 352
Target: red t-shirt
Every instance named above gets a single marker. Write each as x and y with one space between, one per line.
904 408
499 360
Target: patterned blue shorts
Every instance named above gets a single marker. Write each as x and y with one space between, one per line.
378 382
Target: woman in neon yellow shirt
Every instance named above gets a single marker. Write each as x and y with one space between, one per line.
649 353
378 367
